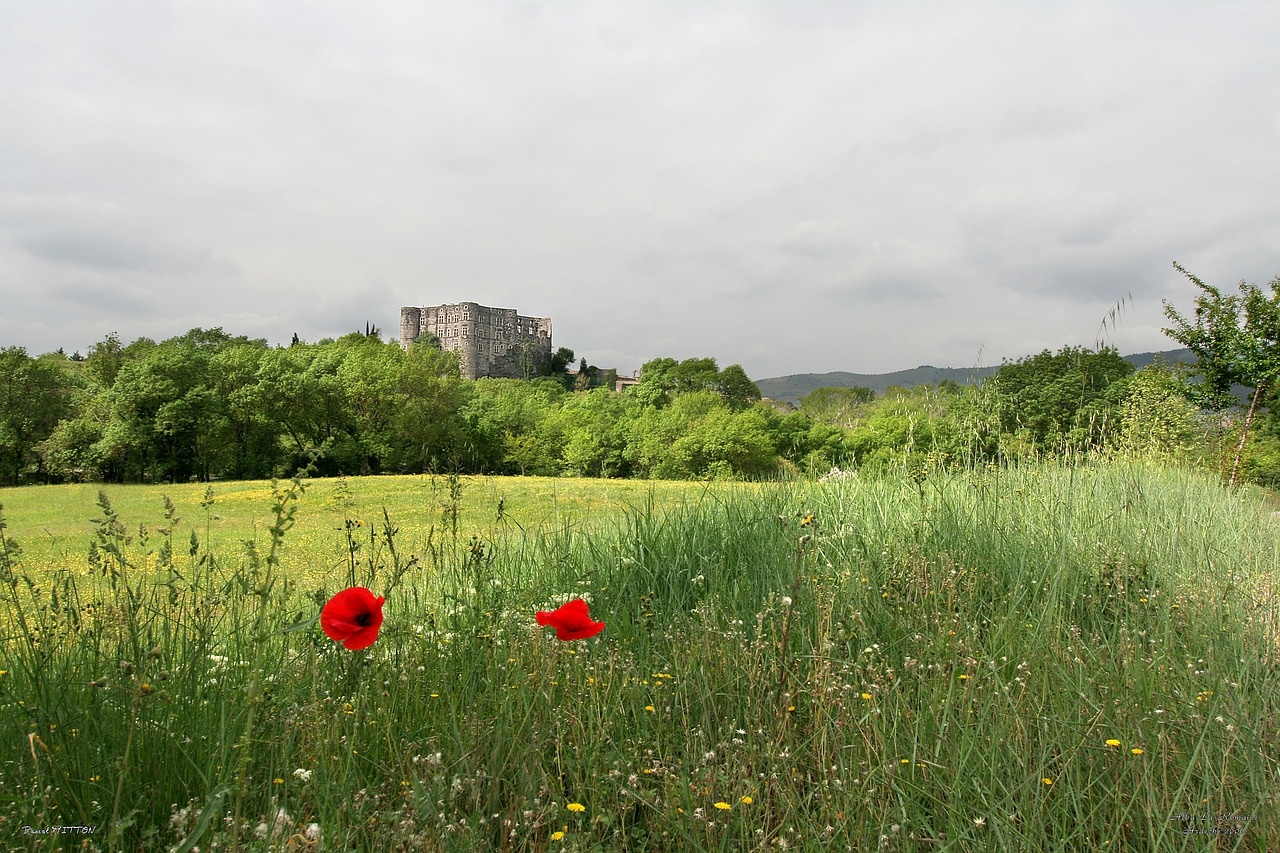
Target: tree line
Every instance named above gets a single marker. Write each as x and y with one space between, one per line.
208 405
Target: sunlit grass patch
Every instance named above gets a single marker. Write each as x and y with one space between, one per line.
55 524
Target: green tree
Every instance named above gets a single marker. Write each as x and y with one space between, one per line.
35 394
167 419
836 406
73 451
1156 419
900 425
583 381
663 378
531 453
1236 340
370 377
656 383
251 439
298 388
594 439
652 430
736 388
1062 400
181 409
432 394
558 365
697 374
812 446
162 415
724 443
104 361
972 434
699 435
560 361
503 419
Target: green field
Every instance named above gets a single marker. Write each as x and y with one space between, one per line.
55 524
1043 657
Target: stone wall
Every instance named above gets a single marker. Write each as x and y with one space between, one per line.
489 341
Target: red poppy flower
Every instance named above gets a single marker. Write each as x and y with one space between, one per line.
353 617
571 621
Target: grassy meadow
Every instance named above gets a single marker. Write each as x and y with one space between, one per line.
55 524
1040 657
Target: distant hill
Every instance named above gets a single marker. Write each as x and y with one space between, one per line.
792 388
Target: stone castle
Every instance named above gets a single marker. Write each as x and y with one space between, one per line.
489 341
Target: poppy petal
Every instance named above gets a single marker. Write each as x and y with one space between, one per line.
353 617
572 621
580 632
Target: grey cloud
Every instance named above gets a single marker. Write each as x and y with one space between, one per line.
87 250
815 238
115 300
109 253
887 289
878 184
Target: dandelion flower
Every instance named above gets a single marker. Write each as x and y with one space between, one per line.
1047 780
1112 742
557 835
576 807
747 801
723 806
1137 750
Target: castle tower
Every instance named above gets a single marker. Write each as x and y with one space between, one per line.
410 325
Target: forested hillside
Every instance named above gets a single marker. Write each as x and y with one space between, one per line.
791 388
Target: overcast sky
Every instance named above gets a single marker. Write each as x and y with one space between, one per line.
792 186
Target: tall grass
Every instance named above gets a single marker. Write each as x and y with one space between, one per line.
1040 657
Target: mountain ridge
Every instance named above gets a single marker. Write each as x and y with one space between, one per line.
791 388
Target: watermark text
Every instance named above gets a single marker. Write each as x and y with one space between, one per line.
1213 824
60 830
